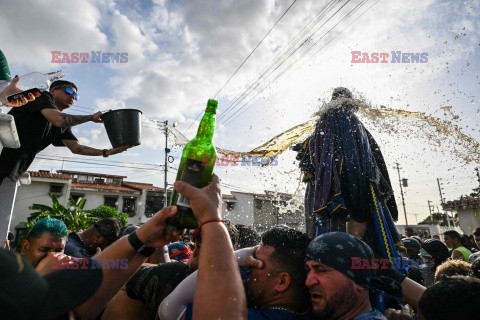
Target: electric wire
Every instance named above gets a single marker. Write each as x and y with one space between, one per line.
278 57
226 121
244 61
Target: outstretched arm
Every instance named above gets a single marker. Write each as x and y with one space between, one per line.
77 148
151 234
412 292
12 89
60 119
215 296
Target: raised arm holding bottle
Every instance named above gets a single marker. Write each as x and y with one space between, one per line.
196 167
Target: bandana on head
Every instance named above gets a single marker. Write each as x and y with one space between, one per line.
336 250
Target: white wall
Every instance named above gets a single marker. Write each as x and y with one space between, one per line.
469 219
243 210
37 192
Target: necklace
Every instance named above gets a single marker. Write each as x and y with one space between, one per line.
290 311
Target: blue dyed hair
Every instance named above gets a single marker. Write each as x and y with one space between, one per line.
55 227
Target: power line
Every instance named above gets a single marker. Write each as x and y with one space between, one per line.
234 73
279 56
96 163
293 63
171 169
226 122
258 44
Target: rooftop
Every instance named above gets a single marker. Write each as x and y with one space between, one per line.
103 187
462 203
48 174
91 174
143 186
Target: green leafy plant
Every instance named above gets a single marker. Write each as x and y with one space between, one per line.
106 211
74 217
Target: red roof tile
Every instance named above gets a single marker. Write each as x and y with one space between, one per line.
91 174
143 186
48 174
102 187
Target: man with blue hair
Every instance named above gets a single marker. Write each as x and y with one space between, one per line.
45 242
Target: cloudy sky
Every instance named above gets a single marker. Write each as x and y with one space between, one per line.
181 53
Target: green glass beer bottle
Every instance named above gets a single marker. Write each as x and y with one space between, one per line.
196 167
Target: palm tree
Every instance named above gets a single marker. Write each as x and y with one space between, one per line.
74 217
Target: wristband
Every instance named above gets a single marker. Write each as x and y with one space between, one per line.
196 233
139 246
104 153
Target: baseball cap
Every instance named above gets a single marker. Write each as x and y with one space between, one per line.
24 294
411 243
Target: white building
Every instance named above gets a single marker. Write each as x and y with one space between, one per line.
468 211
139 200
263 211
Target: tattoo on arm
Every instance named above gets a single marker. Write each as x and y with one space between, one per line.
88 151
73 120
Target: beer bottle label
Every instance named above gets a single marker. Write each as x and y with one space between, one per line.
192 174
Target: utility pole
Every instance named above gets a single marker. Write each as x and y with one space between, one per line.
430 210
167 151
478 177
165 184
442 202
401 191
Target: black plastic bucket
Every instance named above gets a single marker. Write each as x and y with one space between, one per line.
123 127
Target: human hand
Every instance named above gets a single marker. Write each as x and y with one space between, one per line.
52 262
206 202
251 262
117 150
152 232
96 117
12 89
404 314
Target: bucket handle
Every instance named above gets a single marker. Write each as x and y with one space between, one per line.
103 112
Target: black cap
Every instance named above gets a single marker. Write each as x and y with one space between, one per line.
24 294
411 243
60 83
436 249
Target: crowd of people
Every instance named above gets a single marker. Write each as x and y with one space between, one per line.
222 271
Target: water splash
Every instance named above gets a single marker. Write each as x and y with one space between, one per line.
438 132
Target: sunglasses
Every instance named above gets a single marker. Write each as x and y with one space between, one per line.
69 90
